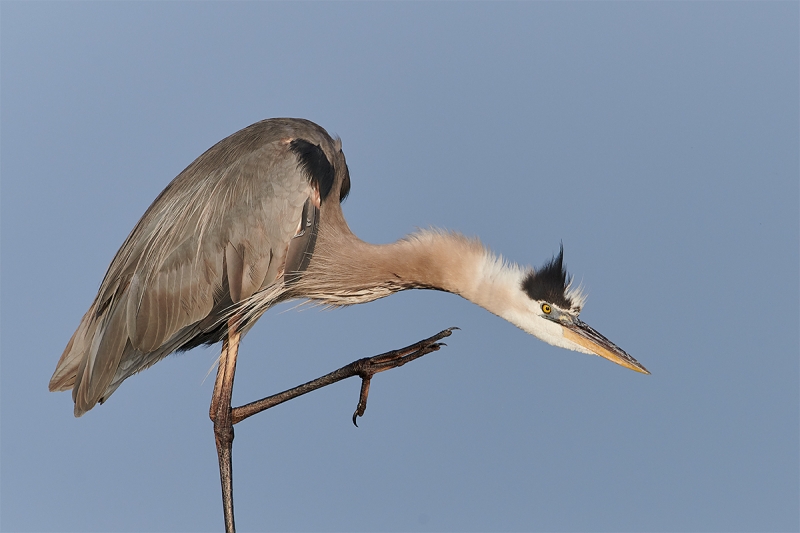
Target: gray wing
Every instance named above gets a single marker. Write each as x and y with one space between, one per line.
217 235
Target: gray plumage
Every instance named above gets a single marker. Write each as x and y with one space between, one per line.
256 220
217 235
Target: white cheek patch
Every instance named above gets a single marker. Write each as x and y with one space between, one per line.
497 287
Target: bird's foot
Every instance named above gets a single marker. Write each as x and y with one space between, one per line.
364 368
369 366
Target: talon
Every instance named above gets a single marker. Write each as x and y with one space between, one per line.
362 399
362 406
369 366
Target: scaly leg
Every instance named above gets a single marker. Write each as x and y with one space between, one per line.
363 368
220 413
224 416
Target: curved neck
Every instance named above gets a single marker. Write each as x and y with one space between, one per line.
345 270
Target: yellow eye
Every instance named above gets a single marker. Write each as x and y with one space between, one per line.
546 308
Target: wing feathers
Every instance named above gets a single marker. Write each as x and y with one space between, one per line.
98 369
133 304
255 271
145 315
67 367
230 214
235 269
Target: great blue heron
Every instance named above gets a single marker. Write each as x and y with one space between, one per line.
257 220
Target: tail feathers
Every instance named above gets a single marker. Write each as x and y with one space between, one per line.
134 361
100 363
67 367
102 352
100 356
91 358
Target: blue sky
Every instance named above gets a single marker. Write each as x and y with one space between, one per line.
658 141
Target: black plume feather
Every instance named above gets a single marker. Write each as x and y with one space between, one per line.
549 283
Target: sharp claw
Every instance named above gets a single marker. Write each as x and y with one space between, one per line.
373 365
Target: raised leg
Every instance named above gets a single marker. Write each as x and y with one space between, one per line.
364 368
224 416
220 413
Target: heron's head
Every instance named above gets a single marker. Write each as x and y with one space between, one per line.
552 308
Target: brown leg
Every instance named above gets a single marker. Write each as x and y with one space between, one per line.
220 413
224 416
364 368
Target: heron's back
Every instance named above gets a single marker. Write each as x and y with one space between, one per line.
215 237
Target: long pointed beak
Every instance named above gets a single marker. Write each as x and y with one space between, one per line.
581 333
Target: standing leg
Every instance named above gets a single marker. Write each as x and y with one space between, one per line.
220 414
224 416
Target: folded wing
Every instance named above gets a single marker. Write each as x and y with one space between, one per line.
215 237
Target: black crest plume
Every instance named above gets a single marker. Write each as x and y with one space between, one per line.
550 282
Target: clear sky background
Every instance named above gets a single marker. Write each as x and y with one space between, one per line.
658 141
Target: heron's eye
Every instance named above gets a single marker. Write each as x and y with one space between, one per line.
546 308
